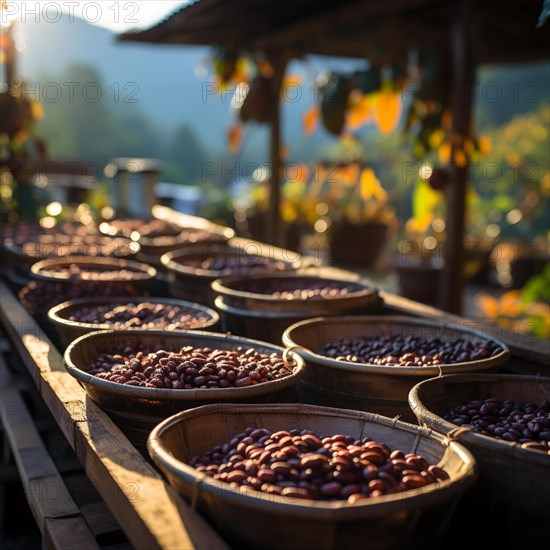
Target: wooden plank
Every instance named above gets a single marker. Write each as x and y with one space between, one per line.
44 488
149 512
99 520
65 533
126 478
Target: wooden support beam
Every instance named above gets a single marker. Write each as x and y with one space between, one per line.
462 38
279 62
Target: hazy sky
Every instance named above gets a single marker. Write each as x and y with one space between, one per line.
118 16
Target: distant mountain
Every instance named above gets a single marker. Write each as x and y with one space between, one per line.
159 79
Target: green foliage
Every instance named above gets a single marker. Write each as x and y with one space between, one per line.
515 176
537 288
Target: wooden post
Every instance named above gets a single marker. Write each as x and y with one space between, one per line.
9 52
273 229
455 193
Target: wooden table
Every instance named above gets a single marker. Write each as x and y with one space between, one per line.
149 512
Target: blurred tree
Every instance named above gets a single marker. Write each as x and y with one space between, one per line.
187 154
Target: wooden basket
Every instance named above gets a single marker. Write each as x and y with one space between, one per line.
190 283
51 246
514 482
71 330
137 410
414 518
374 388
247 307
151 249
45 270
253 293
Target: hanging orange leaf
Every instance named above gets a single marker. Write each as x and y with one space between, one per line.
359 112
446 120
297 173
444 152
387 109
488 305
510 303
485 145
419 224
292 80
235 137
265 68
370 185
349 173
469 146
310 120
436 138
460 158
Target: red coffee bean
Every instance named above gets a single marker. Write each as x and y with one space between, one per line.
253 460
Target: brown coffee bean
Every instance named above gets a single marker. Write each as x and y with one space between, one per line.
331 490
267 475
237 476
411 351
438 472
314 460
295 492
282 468
505 419
413 481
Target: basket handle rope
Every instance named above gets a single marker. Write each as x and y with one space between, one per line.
415 443
394 420
455 433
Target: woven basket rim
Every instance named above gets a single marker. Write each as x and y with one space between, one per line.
206 225
414 497
146 271
161 394
243 312
223 287
170 259
438 423
63 240
55 314
309 355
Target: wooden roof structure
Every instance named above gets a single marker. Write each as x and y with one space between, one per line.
476 31
505 29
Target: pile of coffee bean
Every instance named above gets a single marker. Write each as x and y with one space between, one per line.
145 315
310 293
191 368
162 232
55 246
300 464
408 351
41 296
525 423
100 273
146 228
21 231
238 264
